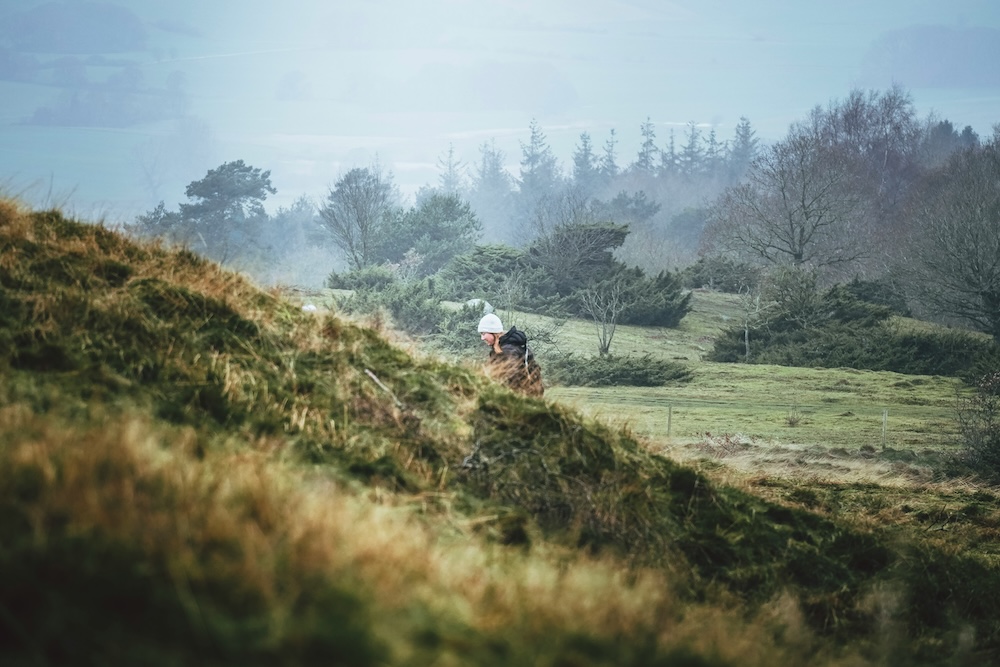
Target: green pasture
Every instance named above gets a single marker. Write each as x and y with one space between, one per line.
838 407
779 405
712 312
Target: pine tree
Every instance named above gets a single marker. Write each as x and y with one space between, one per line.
609 165
645 160
491 193
452 177
742 151
668 158
692 155
585 166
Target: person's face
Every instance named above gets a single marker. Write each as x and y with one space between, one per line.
488 338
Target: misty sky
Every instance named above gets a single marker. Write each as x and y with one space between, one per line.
309 89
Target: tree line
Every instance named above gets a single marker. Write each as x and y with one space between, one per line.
863 189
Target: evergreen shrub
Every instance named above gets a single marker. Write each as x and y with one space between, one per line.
610 370
416 308
376 277
880 292
657 302
840 330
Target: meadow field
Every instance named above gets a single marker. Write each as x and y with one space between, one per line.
821 421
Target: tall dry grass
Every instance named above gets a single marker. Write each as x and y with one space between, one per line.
255 558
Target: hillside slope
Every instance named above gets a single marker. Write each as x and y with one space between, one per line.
193 470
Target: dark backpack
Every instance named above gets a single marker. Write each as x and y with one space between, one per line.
531 383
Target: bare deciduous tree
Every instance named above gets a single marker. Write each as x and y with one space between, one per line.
957 242
754 310
356 211
881 131
800 206
604 303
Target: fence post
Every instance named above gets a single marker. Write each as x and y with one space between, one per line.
885 423
670 415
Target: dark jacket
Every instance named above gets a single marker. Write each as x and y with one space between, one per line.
515 365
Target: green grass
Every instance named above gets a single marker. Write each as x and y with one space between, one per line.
779 405
711 313
835 408
779 408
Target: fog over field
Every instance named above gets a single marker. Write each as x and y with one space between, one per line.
311 89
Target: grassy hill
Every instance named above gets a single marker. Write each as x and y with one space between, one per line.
194 471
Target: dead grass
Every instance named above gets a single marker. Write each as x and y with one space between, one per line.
251 552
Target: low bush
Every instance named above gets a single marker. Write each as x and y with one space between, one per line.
479 273
840 330
659 301
954 353
371 278
610 370
517 279
416 308
979 420
878 348
880 292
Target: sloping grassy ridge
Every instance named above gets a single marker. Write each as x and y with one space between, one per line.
194 470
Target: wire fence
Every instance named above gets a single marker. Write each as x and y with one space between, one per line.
668 420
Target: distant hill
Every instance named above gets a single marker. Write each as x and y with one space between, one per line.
78 27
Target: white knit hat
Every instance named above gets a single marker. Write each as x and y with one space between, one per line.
490 324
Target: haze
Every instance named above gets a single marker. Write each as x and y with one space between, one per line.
308 90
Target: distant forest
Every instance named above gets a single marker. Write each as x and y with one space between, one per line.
862 189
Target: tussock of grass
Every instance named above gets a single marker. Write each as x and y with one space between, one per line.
300 490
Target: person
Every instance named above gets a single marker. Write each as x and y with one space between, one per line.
511 360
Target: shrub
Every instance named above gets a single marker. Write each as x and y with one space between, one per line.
837 329
954 353
475 273
879 347
655 302
377 277
610 370
979 421
880 292
416 308
512 278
